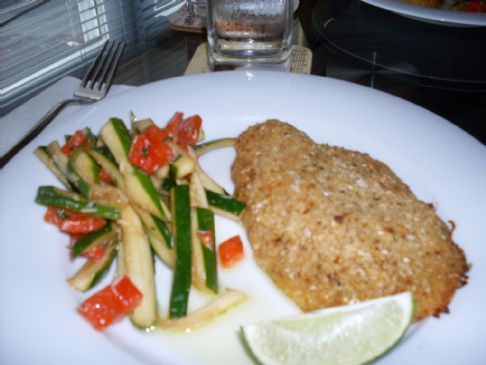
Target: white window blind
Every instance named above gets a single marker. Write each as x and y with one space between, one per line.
57 38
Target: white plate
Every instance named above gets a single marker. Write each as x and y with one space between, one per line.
431 15
441 163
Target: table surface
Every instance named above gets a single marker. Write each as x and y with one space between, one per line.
438 67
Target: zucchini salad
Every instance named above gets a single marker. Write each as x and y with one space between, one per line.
132 193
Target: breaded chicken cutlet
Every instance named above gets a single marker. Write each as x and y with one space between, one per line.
332 226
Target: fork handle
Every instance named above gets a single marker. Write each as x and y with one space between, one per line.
39 127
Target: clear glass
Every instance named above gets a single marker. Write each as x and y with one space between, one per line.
249 32
197 7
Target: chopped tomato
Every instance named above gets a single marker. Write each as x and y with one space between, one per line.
185 132
103 175
111 303
206 238
96 253
155 133
52 216
173 123
82 224
231 251
73 142
150 155
73 223
188 132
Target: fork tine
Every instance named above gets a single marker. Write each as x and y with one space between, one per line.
100 65
100 74
110 66
95 64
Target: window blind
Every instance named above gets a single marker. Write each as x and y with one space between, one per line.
57 38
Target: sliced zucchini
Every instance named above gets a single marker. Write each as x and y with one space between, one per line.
167 184
182 166
109 166
209 183
203 148
102 237
62 162
205 223
198 194
198 271
92 271
217 307
79 183
163 172
164 231
101 148
59 158
109 195
141 125
225 205
90 136
156 182
84 166
116 137
52 196
121 269
181 285
159 236
141 191
138 266
43 154
167 255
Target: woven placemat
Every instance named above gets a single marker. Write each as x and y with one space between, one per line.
300 60
182 21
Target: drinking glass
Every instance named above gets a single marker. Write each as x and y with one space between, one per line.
248 32
197 7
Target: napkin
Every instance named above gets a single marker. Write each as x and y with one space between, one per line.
19 121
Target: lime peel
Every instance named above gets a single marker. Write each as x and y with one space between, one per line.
345 335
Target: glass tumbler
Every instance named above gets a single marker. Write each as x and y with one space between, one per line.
242 32
197 7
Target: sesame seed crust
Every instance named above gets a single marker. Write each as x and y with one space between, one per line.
332 226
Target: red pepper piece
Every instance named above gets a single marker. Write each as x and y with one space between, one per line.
111 303
76 140
96 253
185 132
155 133
188 131
173 124
206 238
103 175
231 251
82 224
73 223
150 155
52 216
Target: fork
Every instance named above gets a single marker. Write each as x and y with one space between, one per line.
93 87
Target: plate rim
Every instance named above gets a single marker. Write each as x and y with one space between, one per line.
430 15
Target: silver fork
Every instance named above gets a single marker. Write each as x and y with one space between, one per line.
93 87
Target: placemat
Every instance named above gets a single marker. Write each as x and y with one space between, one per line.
301 60
182 21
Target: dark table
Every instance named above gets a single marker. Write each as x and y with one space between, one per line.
440 68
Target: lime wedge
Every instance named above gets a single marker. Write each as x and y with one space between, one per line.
346 335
